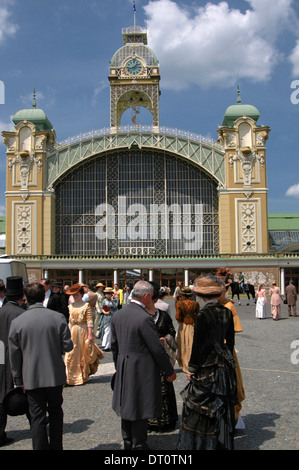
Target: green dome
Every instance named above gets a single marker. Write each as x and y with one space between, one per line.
35 115
139 50
239 110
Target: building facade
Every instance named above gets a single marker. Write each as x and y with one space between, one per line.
129 202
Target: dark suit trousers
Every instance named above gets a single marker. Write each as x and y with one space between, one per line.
42 400
134 434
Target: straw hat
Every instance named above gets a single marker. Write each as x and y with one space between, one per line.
74 289
208 286
108 290
100 285
186 291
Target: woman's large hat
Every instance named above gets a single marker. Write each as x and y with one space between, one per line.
74 289
108 290
14 286
208 286
186 291
100 285
15 402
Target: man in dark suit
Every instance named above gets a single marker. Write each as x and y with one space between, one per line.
138 357
37 340
52 299
12 308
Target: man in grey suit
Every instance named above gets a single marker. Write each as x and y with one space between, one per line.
138 357
37 340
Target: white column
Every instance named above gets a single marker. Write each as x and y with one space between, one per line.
46 274
150 275
80 276
282 281
186 274
115 276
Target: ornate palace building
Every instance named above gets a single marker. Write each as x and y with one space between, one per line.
150 202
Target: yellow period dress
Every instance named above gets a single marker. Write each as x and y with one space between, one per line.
186 311
84 358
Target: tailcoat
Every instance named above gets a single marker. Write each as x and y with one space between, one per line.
7 313
138 357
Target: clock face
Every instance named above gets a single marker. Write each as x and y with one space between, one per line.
134 67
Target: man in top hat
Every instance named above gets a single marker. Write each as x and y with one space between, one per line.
37 340
98 308
14 296
291 296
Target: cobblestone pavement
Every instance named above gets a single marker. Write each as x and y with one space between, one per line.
267 352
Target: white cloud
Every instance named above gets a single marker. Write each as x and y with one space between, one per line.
216 45
293 191
6 126
2 210
7 26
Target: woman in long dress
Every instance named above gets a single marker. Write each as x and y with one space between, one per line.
83 359
238 329
186 310
261 302
166 332
208 419
109 306
275 301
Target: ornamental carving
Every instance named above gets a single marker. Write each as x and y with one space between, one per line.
24 161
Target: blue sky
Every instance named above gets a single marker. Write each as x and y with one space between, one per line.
205 49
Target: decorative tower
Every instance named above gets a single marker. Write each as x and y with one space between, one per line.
29 207
134 78
243 212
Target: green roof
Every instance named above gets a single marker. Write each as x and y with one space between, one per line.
283 222
35 115
2 224
238 110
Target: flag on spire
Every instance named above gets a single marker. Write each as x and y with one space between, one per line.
134 6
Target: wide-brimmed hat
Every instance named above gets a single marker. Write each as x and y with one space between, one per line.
208 286
14 286
15 402
186 291
108 290
74 289
100 285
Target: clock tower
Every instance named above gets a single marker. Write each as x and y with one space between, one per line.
134 79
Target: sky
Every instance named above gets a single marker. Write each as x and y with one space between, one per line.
205 50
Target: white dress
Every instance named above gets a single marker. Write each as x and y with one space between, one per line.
260 310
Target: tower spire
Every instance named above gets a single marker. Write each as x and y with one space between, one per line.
34 99
239 101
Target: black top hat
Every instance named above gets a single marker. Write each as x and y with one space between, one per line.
14 285
15 402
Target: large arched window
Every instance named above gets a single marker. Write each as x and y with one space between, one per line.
137 202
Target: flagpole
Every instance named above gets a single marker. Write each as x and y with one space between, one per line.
134 10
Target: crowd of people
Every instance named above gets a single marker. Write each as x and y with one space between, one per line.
49 337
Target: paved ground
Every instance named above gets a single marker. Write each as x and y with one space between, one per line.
267 352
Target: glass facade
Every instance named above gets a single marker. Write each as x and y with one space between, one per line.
137 202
